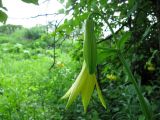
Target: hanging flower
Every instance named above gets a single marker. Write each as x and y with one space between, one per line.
86 80
84 85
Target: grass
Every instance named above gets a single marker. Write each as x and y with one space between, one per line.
28 90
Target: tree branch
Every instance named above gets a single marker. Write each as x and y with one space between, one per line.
111 35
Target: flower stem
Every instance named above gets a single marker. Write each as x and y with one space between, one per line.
145 108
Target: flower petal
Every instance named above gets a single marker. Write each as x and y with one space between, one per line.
68 92
87 90
100 94
78 85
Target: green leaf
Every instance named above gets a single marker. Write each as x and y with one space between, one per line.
156 116
61 1
131 3
133 8
143 102
1 5
146 32
141 117
149 106
68 4
103 2
123 40
31 1
61 11
105 53
3 16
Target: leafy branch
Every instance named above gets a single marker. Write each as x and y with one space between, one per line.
143 101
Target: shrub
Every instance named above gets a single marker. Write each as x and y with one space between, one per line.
34 33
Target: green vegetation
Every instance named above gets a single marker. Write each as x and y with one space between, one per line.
28 90
37 68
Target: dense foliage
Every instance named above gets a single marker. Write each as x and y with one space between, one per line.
37 68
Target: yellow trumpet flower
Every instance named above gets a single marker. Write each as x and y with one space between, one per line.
84 85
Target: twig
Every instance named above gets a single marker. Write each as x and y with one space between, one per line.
40 15
54 44
111 35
